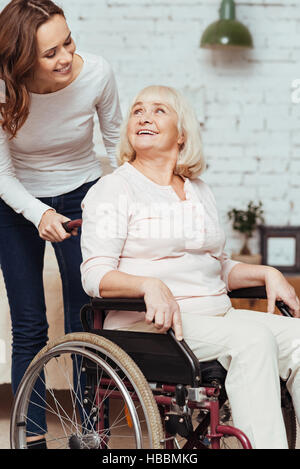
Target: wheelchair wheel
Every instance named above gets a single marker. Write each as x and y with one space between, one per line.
95 377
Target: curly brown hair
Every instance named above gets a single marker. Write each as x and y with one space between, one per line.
19 22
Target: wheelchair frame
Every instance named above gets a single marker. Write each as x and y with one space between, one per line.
177 390
170 393
173 393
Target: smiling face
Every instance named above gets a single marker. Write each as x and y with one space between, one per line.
56 50
153 125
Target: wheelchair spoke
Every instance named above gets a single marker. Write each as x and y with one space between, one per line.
50 410
60 411
74 414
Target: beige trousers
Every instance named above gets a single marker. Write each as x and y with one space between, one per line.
256 349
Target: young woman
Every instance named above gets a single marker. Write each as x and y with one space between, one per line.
47 165
151 230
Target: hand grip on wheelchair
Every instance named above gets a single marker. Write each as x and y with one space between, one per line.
284 309
259 293
71 224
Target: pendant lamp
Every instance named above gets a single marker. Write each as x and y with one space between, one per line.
227 32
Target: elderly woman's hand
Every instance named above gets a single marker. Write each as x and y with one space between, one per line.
278 288
162 308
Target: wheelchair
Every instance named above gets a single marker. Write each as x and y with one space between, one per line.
130 390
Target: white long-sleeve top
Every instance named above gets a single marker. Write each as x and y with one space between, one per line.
53 152
133 225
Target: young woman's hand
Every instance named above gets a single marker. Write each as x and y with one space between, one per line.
51 229
278 288
162 308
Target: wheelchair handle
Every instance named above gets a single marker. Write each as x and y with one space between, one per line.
284 309
70 225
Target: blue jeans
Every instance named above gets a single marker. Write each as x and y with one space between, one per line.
22 262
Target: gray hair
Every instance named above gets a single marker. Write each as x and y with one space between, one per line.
190 162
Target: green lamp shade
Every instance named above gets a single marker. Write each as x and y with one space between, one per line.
226 33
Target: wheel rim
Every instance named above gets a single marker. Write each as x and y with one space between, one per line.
77 426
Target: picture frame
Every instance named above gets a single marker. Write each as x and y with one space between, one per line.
280 247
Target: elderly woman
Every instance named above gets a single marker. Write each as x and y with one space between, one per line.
151 229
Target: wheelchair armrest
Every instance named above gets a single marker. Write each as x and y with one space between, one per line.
252 292
138 304
258 293
119 304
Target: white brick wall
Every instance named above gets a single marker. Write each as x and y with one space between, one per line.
251 127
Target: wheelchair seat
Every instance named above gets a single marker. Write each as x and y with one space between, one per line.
162 359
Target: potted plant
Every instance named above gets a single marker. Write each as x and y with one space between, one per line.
246 222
